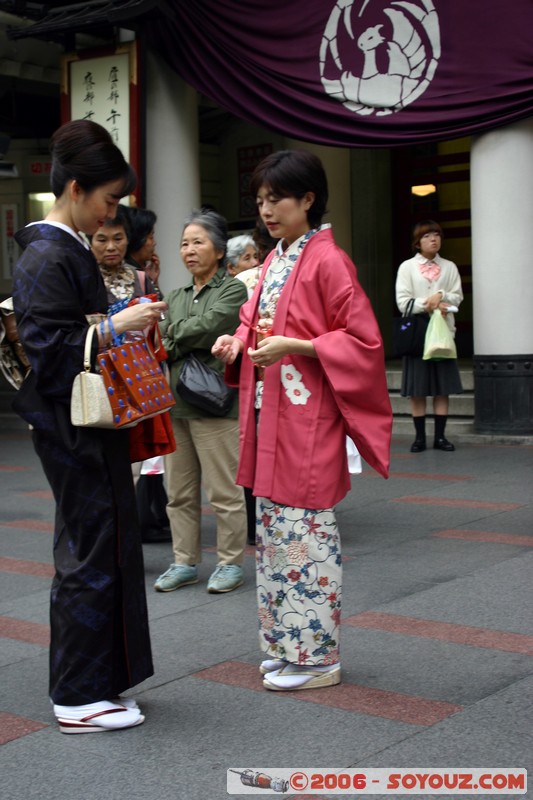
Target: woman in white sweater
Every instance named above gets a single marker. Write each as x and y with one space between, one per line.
433 282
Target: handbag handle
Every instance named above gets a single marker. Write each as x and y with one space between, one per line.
88 348
409 308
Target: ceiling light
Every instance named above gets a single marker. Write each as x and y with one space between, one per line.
424 189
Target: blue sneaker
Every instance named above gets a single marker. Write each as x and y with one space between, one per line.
225 578
176 576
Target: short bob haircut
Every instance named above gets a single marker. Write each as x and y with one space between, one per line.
293 173
141 224
84 151
120 220
423 227
236 247
215 226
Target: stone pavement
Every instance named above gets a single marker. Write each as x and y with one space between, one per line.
436 642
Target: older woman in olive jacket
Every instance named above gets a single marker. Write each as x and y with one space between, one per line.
206 446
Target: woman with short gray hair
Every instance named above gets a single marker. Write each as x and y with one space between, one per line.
206 446
243 262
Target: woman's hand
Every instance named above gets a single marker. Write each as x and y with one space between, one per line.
227 348
269 350
138 317
273 348
153 269
433 301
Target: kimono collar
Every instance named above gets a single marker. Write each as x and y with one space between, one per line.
293 251
79 238
52 232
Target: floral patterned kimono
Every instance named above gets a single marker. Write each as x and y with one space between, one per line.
299 569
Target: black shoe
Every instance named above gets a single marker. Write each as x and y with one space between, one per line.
152 535
443 444
418 446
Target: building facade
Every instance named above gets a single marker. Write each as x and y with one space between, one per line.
396 147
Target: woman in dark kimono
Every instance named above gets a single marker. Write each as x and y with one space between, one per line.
100 643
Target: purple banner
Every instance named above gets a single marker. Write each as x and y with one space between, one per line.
357 72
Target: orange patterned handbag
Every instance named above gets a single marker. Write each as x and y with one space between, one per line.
131 380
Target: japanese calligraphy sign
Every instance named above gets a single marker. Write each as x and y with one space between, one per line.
102 86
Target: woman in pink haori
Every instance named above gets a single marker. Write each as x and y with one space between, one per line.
308 359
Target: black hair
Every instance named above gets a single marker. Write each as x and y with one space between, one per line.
142 222
121 219
263 240
293 173
84 151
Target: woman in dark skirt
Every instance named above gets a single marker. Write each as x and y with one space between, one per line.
433 282
100 644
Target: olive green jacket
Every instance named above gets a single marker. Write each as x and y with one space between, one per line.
193 323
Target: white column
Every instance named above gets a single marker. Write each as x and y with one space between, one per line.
502 215
502 277
172 169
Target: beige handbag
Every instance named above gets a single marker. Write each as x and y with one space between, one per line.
89 403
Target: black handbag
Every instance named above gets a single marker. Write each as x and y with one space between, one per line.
409 332
204 387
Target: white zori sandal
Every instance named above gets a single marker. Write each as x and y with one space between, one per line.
291 677
271 665
97 717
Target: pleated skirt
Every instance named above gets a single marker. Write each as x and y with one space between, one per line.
430 378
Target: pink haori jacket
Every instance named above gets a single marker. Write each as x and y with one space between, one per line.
297 454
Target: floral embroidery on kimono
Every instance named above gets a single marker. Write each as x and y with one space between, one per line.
294 386
298 583
275 279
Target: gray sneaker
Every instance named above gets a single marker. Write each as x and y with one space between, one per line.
225 578
176 576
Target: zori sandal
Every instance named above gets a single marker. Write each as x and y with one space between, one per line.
293 676
271 665
127 702
96 717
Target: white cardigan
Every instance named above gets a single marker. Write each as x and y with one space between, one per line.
411 283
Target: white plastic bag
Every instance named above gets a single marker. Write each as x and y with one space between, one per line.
355 466
439 342
153 466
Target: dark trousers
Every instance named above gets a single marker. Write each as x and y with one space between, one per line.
152 502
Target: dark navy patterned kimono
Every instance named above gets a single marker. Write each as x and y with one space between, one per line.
100 642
